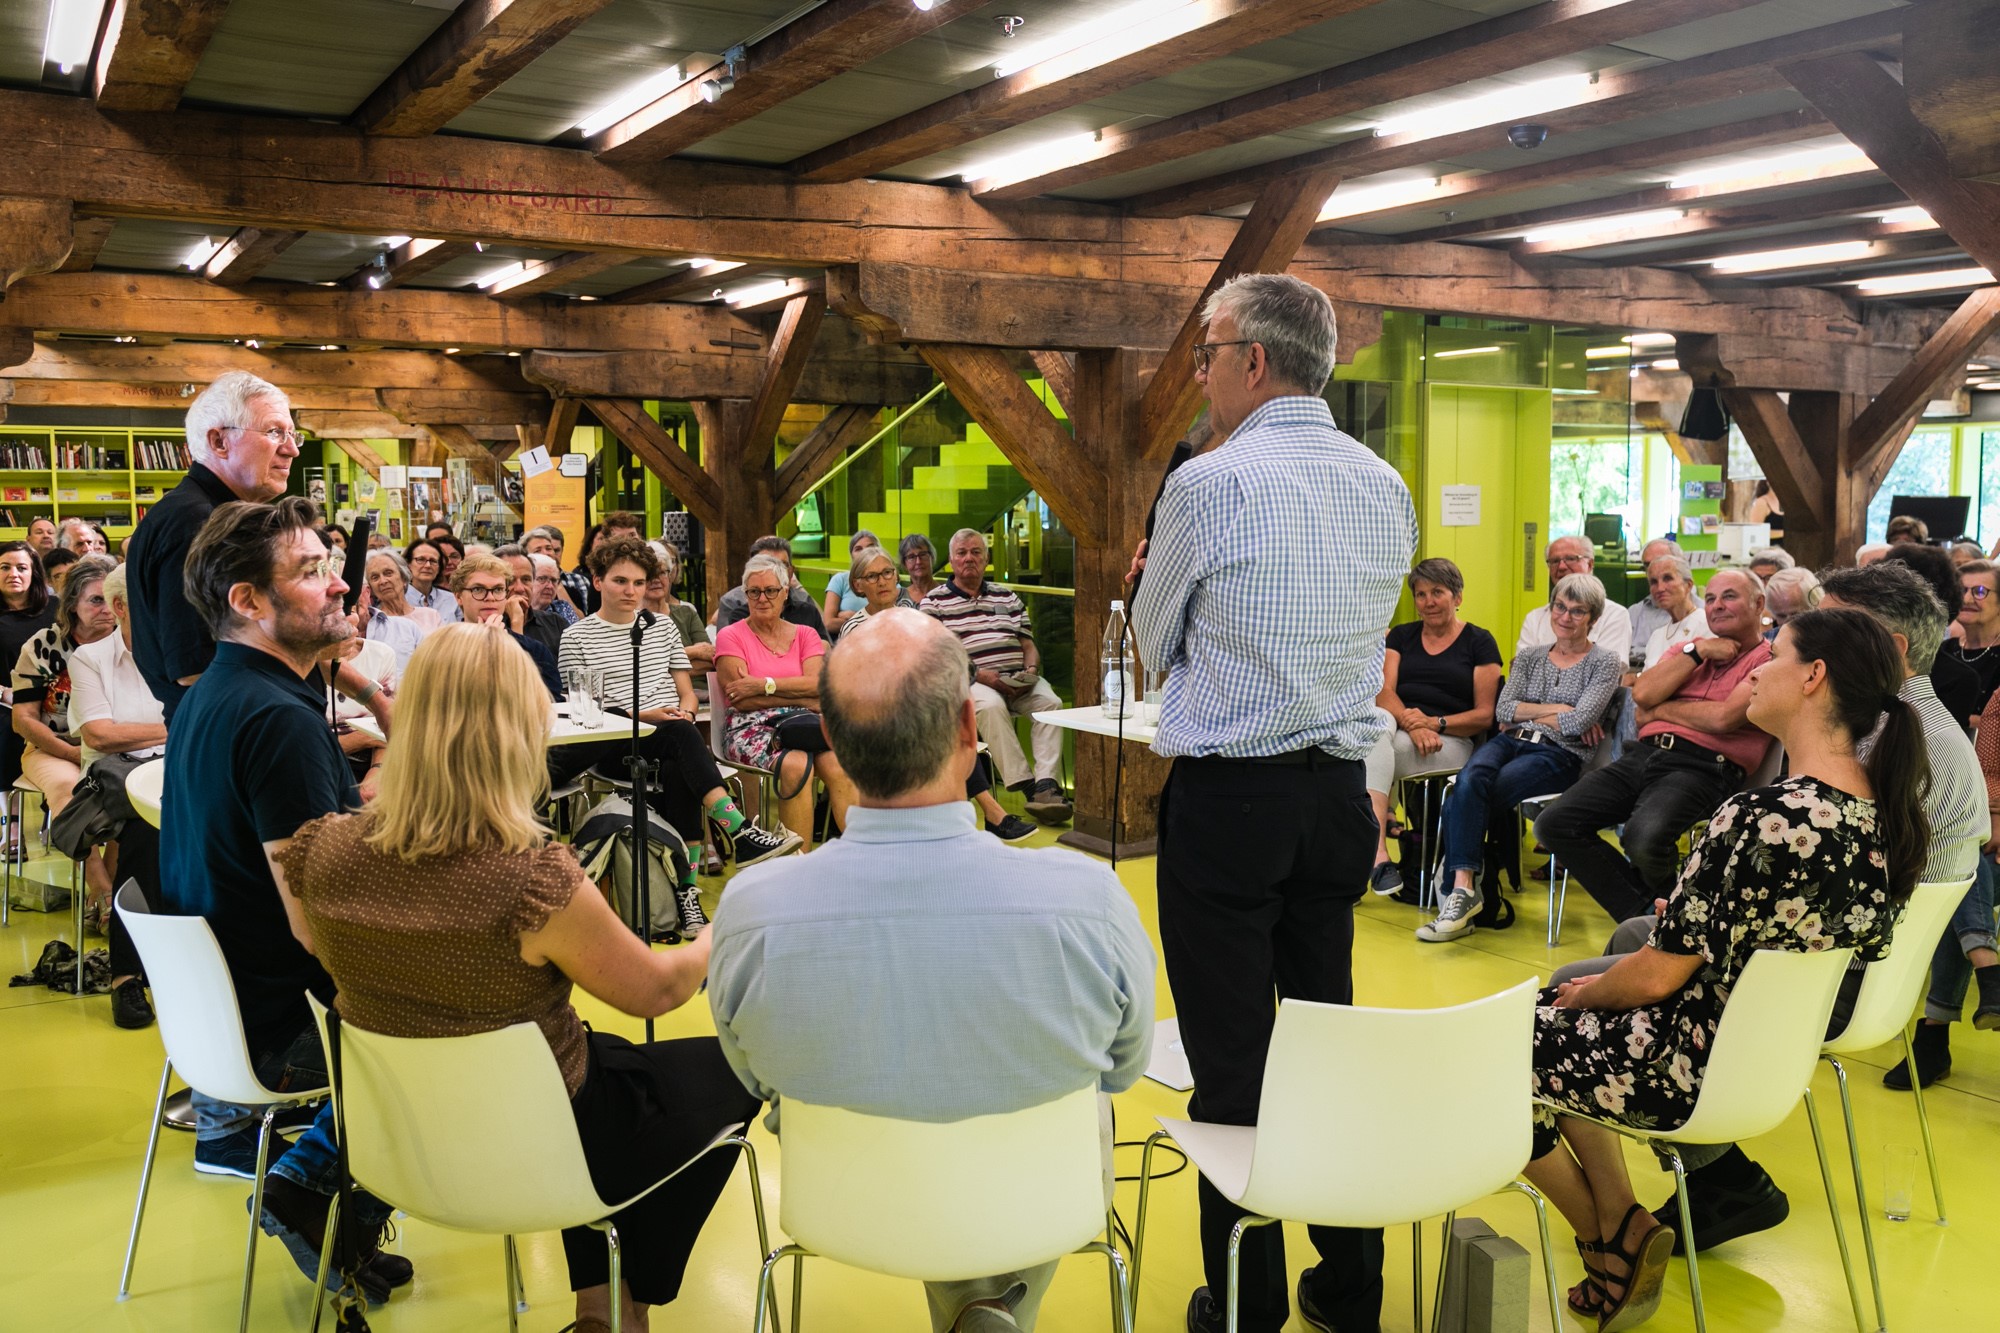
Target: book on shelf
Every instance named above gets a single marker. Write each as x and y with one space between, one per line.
38 494
67 495
14 494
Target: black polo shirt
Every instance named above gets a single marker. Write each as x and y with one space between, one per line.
252 759
545 664
170 640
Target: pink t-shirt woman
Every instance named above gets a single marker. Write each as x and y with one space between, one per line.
751 737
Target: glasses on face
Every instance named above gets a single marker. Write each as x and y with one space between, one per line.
1979 592
1204 353
1560 561
878 575
1566 611
762 594
485 592
279 436
326 567
545 578
423 560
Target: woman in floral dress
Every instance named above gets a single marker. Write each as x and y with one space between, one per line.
1823 860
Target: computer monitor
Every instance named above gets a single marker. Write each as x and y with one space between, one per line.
1944 515
1604 529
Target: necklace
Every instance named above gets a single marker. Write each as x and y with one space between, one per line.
778 649
1965 654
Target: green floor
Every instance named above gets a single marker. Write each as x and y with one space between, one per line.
75 1093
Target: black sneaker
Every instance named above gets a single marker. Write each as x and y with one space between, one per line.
1204 1313
1308 1308
694 919
1987 1016
232 1155
1724 1213
1385 879
753 844
1013 828
296 1217
1933 1051
129 1006
1047 802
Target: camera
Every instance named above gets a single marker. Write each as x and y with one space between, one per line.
1527 136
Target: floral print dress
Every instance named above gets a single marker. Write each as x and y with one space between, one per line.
1794 867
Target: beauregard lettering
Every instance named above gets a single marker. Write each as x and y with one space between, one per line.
516 193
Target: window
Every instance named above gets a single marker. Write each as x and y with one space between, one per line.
1987 514
1923 468
1596 477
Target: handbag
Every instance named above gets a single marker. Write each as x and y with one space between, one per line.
800 731
98 807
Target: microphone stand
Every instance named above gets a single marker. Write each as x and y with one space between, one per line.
641 769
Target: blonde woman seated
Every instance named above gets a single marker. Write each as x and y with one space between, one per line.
443 909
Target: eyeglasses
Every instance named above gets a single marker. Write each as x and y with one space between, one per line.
878 575
326 567
1979 592
1204 353
545 578
1565 611
279 436
762 593
424 560
1553 561
485 592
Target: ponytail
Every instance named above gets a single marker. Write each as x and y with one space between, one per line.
1899 769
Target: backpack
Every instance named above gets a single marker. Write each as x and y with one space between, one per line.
605 844
1500 860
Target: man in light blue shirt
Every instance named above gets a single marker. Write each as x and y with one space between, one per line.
987 979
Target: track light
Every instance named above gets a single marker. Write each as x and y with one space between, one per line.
713 89
924 5
378 271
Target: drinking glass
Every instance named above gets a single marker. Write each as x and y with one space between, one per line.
1149 706
1899 1181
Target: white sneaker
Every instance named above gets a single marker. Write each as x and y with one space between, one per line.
1454 919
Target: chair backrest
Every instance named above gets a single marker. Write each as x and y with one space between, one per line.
718 714
1766 1045
1889 987
200 1024
1444 1095
938 1202
472 1133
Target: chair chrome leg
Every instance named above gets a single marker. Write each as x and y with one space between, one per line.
1417 1276
798 1290
1121 1291
1560 899
145 1180
1833 1211
513 1265
617 1257
1860 1203
1139 1223
764 1296
1111 1239
1693 1266
1924 1124
1444 1270
76 915
1548 1251
742 1141
519 1292
1243 1224
256 1213
325 1260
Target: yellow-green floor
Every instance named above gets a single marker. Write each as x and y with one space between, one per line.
75 1093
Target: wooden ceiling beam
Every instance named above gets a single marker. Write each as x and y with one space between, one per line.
1877 436
1790 467
480 46
684 377
35 238
248 253
843 429
375 425
364 457
561 425
149 51
1949 75
784 363
1206 30
686 282
645 437
88 238
198 363
35 392
543 276
903 303
176 307
464 407
1058 371
824 43
412 259
1529 36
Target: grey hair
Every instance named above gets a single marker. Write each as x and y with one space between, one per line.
224 404
767 564
91 569
1773 555
863 558
549 560
963 533
1292 319
1899 597
862 537
547 530
74 524
669 557
114 587
507 551
395 557
1583 589
1673 547
901 745
914 542
1749 576
1680 565
1440 571
1795 582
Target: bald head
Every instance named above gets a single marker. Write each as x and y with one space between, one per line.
894 696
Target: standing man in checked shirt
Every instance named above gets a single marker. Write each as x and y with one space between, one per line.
1269 711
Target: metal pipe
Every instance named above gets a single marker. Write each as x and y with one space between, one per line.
871 441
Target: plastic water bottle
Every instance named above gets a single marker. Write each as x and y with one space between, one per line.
1117 664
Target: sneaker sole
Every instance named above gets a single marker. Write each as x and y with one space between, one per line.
219 1169
1429 936
1022 836
791 844
1987 1020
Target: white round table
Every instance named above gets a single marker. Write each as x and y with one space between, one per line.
144 786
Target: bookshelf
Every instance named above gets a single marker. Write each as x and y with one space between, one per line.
109 475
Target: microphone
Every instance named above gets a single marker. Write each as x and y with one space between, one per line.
646 618
354 569
640 624
1183 451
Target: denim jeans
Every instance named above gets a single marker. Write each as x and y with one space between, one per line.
1503 772
1971 928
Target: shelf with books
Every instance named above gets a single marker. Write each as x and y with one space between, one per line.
61 472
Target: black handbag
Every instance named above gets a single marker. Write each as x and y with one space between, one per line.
800 731
97 809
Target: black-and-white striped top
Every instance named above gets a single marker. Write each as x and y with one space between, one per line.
1585 686
596 644
1956 801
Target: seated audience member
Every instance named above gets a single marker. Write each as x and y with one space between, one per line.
453 551
1963 552
429 589
378 541
798 609
437 527
549 595
1007 679
919 560
1822 860
1645 615
769 670
1731 1195
1953 673
383 612
56 566
872 574
576 582
694 635
1440 676
688 784
115 714
997 980
1670 585
1786 594
481 588
1556 694
51 757
843 599
26 609
1613 632
42 534
1695 748
1903 528
444 910
1870 553
478 548
80 538
1769 561
1979 628
251 745
546 543
544 627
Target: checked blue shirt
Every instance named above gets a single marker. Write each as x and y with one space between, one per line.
1273 573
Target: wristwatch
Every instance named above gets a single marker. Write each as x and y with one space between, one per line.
1692 648
1440 721
770 685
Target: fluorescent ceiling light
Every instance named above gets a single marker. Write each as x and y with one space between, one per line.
1649 339
204 250
1348 201
1030 161
1617 353
1119 33
72 33
1598 231
500 275
1503 105
1464 351
1897 217
1841 159
1800 256
1666 363
394 242
711 267
1939 280
640 95
763 291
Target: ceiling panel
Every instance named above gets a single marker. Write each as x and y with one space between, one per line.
308 57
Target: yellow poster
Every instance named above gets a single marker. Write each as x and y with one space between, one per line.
558 501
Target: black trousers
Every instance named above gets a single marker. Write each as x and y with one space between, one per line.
643 1110
1657 795
1259 869
138 859
686 770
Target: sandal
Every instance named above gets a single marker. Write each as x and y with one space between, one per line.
1645 1272
1587 1298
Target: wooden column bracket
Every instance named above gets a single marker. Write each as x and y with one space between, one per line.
1879 433
815 456
1791 469
628 420
784 362
1059 370
35 238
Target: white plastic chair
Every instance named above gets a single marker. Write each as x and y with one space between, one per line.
1759 1067
943 1202
1335 1069
476 1134
1882 1013
203 1033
